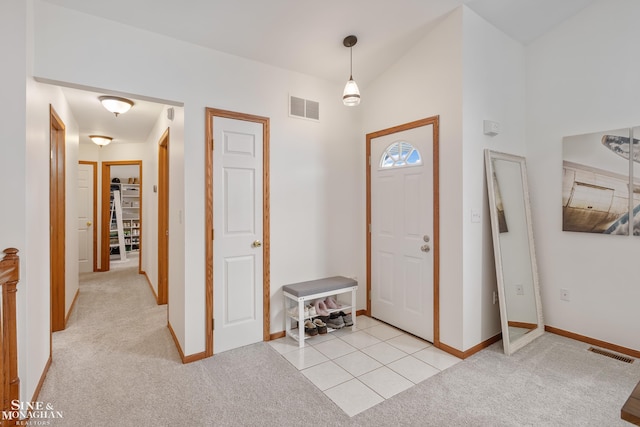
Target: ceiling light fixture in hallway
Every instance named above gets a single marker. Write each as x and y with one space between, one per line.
101 140
116 104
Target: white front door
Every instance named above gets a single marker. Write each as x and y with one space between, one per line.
85 218
237 224
402 230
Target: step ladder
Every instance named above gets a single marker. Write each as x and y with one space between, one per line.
116 213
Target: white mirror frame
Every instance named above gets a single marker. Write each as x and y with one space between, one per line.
512 346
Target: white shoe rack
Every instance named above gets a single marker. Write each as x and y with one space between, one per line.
292 301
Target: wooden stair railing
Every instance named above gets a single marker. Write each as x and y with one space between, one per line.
9 381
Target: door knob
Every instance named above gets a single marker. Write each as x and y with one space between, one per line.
89 223
425 248
256 244
425 238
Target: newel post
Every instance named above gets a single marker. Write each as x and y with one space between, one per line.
10 382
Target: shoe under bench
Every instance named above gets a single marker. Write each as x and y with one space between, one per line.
301 293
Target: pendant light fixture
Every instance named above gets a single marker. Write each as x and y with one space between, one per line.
100 140
351 94
116 104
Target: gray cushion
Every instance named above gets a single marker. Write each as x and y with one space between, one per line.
313 287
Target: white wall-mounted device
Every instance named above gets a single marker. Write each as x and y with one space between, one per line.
491 128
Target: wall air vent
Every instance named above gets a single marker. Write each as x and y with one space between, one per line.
616 356
304 108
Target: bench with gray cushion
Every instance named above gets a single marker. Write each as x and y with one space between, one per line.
300 293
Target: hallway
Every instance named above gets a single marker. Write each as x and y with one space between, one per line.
116 364
114 331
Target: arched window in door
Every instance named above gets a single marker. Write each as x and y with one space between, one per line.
400 154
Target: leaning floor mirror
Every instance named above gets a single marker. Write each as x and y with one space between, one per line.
516 269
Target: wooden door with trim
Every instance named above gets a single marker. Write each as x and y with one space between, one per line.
403 229
57 214
237 244
163 218
87 186
253 145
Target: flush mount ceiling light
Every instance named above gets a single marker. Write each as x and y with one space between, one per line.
101 140
115 104
351 94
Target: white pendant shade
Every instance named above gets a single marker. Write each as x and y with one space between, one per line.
101 140
116 104
351 94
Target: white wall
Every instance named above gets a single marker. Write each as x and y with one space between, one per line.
124 172
40 96
312 174
24 170
13 121
13 220
177 288
176 205
493 89
90 153
582 77
427 81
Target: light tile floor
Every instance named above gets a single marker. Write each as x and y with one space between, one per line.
361 368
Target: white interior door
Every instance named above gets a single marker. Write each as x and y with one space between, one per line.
85 218
402 230
237 223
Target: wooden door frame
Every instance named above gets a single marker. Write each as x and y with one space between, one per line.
57 215
210 113
94 165
435 122
105 208
163 218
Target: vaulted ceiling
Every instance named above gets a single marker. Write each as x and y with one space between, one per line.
306 37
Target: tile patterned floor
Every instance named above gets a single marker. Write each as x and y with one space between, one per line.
359 369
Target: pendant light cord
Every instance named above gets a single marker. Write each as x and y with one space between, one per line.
350 62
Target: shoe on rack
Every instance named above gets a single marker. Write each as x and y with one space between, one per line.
310 328
322 327
348 320
312 311
325 319
320 308
293 312
335 321
331 303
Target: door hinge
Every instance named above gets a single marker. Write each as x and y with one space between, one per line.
212 234
213 324
369 160
211 144
369 228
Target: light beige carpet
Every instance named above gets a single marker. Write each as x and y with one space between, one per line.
116 365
